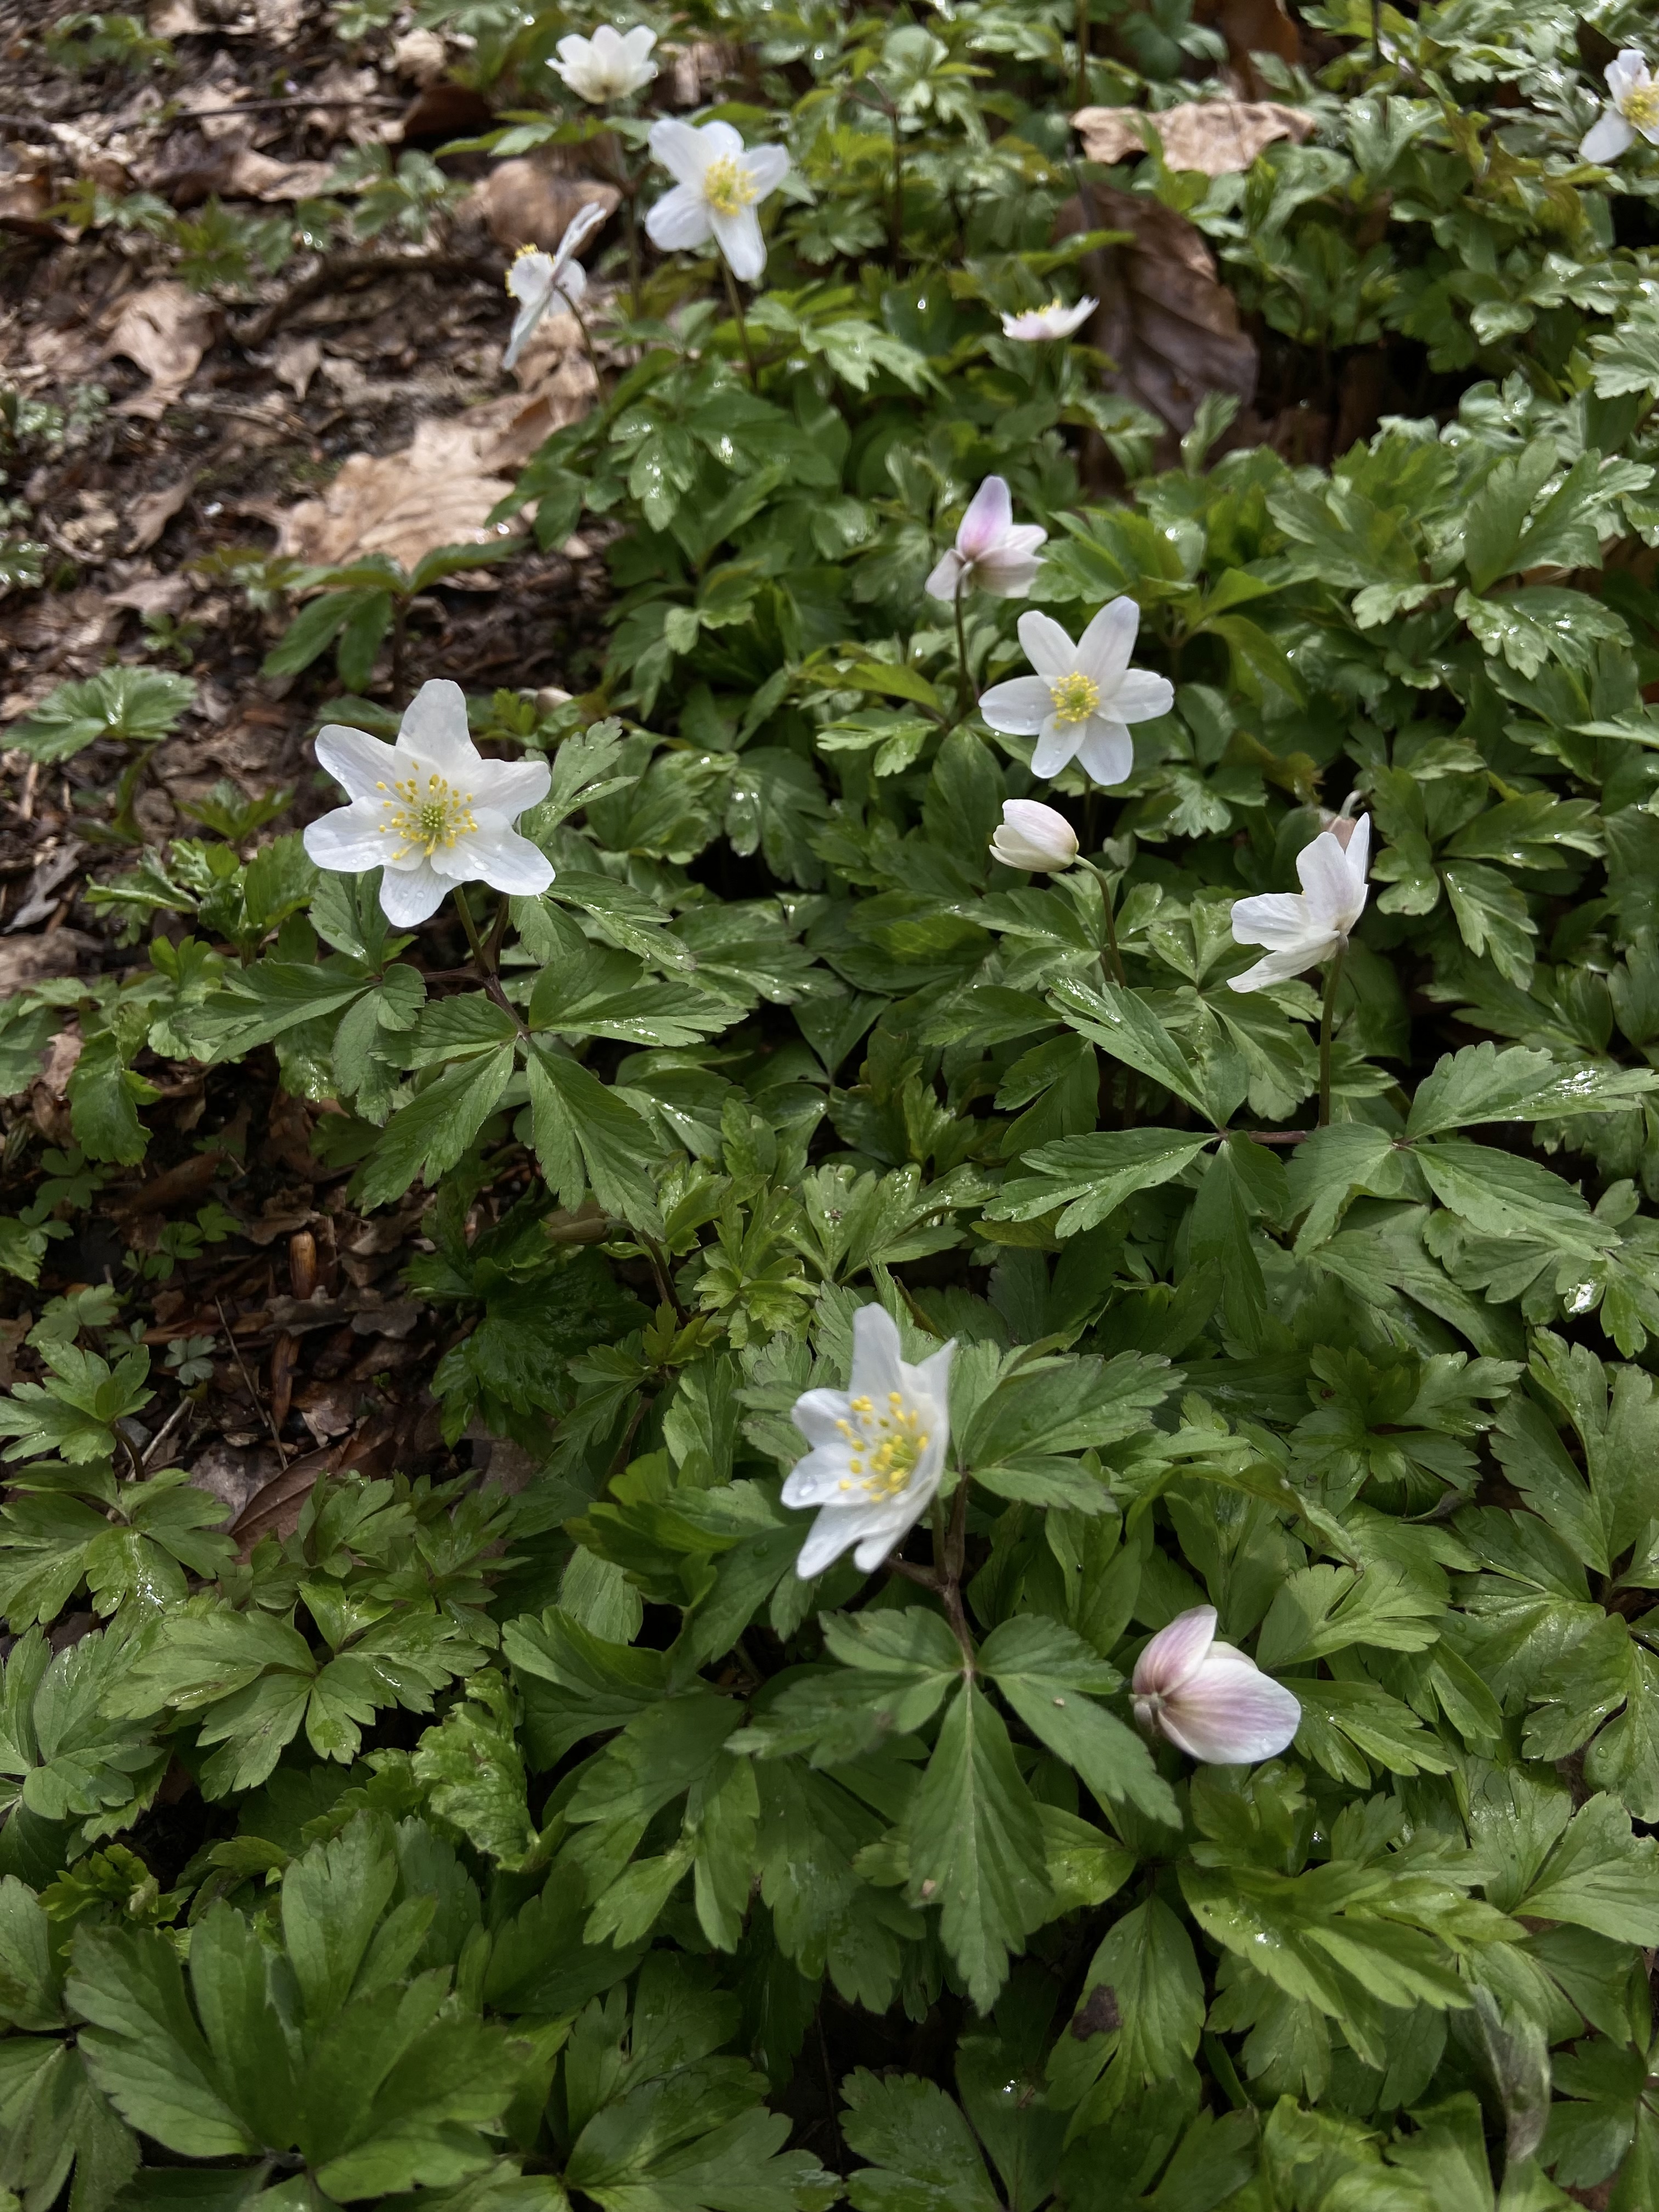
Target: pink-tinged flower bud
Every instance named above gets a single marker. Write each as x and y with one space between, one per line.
1033 836
1210 1700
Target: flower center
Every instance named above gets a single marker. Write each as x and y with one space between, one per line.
726 185
1642 106
1075 697
424 818
887 1447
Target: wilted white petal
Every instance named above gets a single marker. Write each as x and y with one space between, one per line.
1178 1651
1230 1713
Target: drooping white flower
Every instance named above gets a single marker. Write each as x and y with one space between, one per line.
1056 320
609 65
1083 696
878 1449
1633 105
1212 1701
718 183
992 552
429 810
1033 836
537 279
1302 929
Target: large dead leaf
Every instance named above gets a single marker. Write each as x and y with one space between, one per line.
1216 136
1169 325
165 329
252 176
1252 27
529 201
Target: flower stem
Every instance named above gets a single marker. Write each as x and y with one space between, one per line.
484 956
969 694
1327 1016
1082 52
1111 961
736 298
587 347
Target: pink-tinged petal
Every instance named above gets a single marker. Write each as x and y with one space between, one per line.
435 729
1006 574
827 1539
818 1415
507 788
1281 919
1107 753
1322 867
1230 1714
1104 649
1176 1652
876 1358
1057 743
682 150
361 764
1139 695
738 238
348 841
1047 648
1019 708
410 896
942 581
1277 968
1606 138
767 166
988 517
679 221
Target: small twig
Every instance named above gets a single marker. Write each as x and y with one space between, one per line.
273 107
665 1289
1326 1018
236 1354
341 268
179 1414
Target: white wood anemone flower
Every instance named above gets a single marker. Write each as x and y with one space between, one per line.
992 552
610 65
878 1449
1083 697
537 278
1211 1700
430 810
1634 106
1056 320
1303 928
718 185
1034 836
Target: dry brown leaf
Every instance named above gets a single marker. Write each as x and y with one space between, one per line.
1216 136
156 595
440 490
1166 321
340 81
175 19
420 56
1252 27
27 960
297 362
165 329
528 202
253 176
151 514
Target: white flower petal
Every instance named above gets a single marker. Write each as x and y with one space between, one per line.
500 857
1107 752
1177 1651
877 1354
531 278
348 841
1057 743
823 1478
934 1380
720 140
738 238
1606 138
1329 884
1033 836
682 150
1006 576
986 520
767 167
410 895
1104 649
1281 919
1046 646
507 788
679 221
1229 1715
435 729
1625 72
356 760
818 1415
828 1538
942 579
1358 848
1018 708
1277 968
1139 695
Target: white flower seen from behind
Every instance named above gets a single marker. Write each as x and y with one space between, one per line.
537 278
718 185
1083 697
1210 1701
1632 105
608 66
1303 928
429 810
1033 836
992 552
1056 320
878 1449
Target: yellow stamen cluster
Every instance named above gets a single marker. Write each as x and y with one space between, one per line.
1641 107
425 819
727 185
887 1447
1075 697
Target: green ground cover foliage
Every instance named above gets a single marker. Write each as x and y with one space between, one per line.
560 1838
